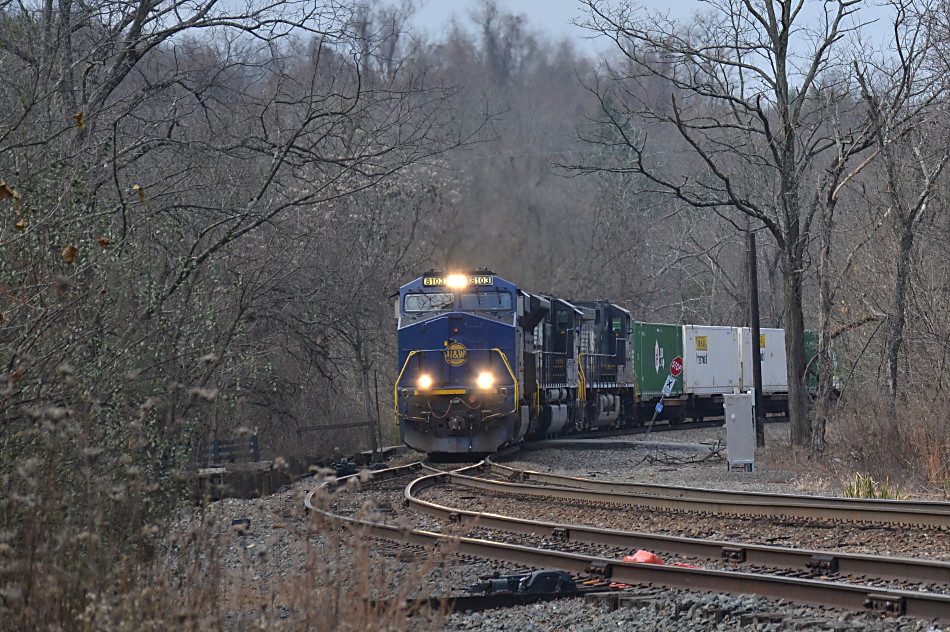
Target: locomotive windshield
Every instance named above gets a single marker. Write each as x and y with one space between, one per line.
435 302
486 301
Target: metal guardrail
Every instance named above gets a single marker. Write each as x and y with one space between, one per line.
355 424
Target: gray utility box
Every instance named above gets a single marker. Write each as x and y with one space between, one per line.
739 410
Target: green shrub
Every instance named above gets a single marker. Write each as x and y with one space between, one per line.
864 486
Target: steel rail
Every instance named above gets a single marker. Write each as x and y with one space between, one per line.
807 560
924 513
858 598
677 491
376 476
873 504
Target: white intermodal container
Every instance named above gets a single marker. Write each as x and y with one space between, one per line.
711 359
774 368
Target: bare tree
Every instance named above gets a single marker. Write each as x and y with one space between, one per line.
905 100
832 269
149 144
749 84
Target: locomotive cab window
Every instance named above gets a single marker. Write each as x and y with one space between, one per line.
434 302
486 302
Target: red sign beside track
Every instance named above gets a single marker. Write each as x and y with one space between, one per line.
676 366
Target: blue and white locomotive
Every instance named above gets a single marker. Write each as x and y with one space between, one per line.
483 364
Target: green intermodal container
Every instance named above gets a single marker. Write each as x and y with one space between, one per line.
654 347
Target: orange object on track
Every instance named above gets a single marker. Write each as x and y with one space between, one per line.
646 557
643 557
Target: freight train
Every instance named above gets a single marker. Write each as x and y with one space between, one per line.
484 364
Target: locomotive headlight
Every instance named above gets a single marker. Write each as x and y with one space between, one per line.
456 281
425 381
485 380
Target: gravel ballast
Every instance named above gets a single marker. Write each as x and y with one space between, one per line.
279 553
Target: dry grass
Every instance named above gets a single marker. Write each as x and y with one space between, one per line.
912 448
864 486
204 575
96 536
909 454
906 454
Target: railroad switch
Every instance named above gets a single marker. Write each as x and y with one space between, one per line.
733 554
886 604
821 564
536 582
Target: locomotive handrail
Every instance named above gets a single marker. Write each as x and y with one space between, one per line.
396 385
582 379
442 349
514 380
537 397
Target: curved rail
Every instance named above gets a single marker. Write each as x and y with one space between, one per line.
813 591
807 560
907 512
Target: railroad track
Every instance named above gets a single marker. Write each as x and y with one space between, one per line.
899 512
813 567
815 562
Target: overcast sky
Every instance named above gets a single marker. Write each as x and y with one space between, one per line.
553 17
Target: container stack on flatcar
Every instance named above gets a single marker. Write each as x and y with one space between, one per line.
484 364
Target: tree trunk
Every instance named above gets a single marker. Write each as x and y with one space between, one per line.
371 422
795 350
822 364
898 314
